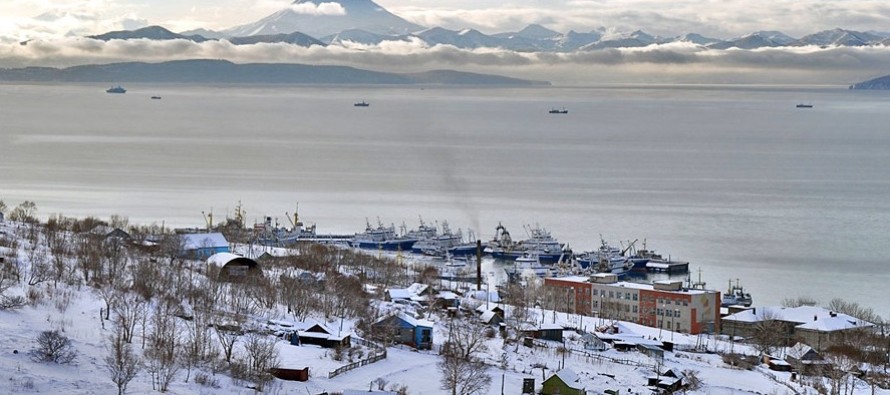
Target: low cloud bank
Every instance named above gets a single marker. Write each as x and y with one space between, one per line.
675 62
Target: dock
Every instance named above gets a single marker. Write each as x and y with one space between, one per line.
669 267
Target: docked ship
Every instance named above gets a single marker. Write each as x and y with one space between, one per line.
736 296
271 234
540 243
384 238
529 262
611 259
116 89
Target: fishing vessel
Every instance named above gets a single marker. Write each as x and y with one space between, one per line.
447 242
116 89
383 238
736 296
802 105
540 242
527 263
559 111
271 234
362 104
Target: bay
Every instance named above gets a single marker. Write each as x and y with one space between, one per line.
734 179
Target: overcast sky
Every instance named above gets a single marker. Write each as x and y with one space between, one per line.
53 26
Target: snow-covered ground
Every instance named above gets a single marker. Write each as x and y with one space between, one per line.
76 312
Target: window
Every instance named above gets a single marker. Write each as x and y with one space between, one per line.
635 308
635 296
627 295
611 294
677 302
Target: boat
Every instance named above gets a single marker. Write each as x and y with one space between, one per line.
362 104
270 234
529 262
116 89
736 296
435 243
547 249
802 105
610 259
383 238
559 111
156 98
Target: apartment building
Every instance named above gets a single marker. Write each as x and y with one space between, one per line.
662 304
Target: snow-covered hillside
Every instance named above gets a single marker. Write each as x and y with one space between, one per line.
78 269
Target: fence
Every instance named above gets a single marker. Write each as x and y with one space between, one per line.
587 354
380 353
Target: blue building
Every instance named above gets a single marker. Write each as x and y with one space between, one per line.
203 245
407 330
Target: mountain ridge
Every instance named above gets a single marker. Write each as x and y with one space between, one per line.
222 71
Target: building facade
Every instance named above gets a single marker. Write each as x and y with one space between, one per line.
663 304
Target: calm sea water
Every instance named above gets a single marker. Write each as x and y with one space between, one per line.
735 180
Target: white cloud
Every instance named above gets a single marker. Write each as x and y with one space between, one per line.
318 9
678 62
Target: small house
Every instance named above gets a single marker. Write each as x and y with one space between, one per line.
491 318
203 245
405 329
319 335
670 381
551 332
563 382
776 364
806 360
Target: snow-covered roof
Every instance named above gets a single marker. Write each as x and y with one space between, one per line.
808 316
832 324
194 241
570 378
399 293
492 296
447 295
222 258
542 327
415 321
417 288
487 316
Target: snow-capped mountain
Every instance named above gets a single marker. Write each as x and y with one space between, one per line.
323 18
359 36
838 37
207 33
637 38
696 38
750 41
532 32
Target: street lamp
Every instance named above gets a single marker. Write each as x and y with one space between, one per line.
600 313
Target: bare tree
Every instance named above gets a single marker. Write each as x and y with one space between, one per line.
163 345
129 307
121 362
465 339
799 301
463 377
768 334
24 212
52 346
258 360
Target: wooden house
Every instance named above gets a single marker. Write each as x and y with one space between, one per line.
563 382
551 332
405 329
320 335
203 245
669 381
